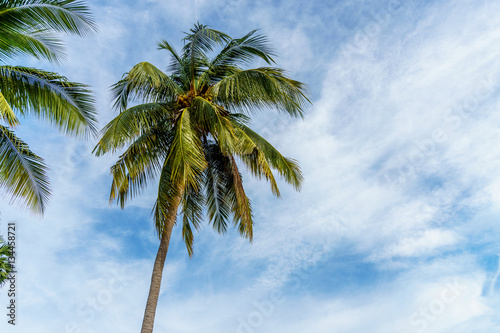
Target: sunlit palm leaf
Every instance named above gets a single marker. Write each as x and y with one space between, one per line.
144 82
22 173
239 52
51 97
186 156
129 124
139 164
192 215
287 168
39 44
69 16
6 112
264 87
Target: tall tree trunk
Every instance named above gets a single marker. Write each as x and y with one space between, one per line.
154 289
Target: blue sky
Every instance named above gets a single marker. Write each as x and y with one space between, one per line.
396 227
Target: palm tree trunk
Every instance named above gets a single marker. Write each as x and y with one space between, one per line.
154 289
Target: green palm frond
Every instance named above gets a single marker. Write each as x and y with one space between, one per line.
6 112
287 168
22 173
176 62
130 123
186 155
31 28
264 87
193 202
200 41
138 165
239 52
218 182
68 16
39 44
169 196
144 82
240 203
50 97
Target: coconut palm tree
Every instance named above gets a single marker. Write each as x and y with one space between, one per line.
5 267
188 129
31 28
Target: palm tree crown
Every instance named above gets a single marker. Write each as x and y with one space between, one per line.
193 124
30 28
188 129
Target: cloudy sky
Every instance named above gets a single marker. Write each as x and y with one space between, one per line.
395 229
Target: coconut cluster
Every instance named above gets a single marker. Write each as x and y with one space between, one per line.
186 99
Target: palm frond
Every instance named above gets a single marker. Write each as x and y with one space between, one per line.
176 62
287 168
6 112
217 184
39 44
264 87
129 124
139 165
68 16
199 41
186 154
50 97
168 200
192 215
238 52
144 82
22 173
240 203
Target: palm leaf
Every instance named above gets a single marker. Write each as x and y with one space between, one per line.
39 44
217 184
239 52
201 40
186 155
6 112
129 124
264 87
144 82
240 204
69 16
51 97
287 168
139 165
22 173
192 215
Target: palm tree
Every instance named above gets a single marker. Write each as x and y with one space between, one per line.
30 28
189 130
5 267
